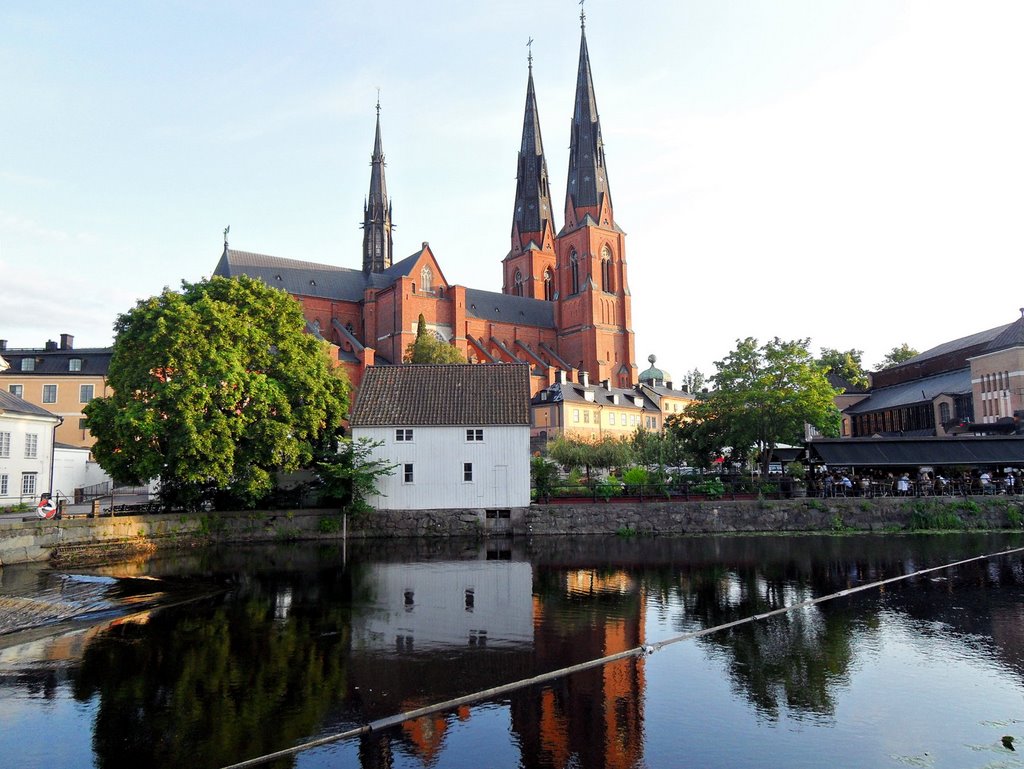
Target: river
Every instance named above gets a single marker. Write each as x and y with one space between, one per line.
204 658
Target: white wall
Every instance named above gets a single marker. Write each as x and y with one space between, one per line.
501 468
72 469
19 426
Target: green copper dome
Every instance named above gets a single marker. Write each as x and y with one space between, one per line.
652 375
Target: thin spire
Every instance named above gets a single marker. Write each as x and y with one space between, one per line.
377 210
533 197
583 16
588 179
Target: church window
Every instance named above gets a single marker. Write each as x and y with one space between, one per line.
426 279
548 286
574 272
943 412
517 284
606 270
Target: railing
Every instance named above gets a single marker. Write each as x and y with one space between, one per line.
701 487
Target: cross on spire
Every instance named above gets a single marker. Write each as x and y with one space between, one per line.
583 16
378 100
529 56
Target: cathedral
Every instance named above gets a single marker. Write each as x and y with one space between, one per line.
564 305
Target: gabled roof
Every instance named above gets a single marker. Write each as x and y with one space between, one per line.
294 276
1011 336
12 404
95 362
443 395
956 344
880 452
574 392
520 310
916 391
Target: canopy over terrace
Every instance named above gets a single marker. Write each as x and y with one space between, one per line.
989 451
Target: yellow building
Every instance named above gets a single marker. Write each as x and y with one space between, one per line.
60 379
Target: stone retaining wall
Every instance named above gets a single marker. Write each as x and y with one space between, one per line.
37 540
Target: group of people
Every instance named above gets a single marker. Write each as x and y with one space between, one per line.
926 483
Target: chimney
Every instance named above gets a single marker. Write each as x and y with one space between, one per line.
560 376
3 345
585 378
51 346
67 342
606 384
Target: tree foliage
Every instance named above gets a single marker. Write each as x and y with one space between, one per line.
352 474
427 348
693 381
897 355
762 396
215 388
848 365
574 453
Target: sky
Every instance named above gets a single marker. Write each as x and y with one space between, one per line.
848 172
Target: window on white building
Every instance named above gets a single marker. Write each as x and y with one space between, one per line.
467 472
407 474
575 415
31 446
611 417
3 485
475 434
28 484
5 445
50 393
403 435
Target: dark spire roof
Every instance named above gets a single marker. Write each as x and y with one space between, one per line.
588 180
533 196
377 212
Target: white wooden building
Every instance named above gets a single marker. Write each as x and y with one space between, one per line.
26 450
459 435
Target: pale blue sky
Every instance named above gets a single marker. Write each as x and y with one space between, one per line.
848 171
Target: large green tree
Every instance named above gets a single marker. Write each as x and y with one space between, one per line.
762 396
427 348
846 364
897 355
215 389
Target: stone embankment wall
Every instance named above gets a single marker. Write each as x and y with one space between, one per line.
87 539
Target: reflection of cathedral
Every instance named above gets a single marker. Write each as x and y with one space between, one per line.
565 301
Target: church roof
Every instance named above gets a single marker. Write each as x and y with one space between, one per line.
652 375
915 391
476 394
1010 336
520 310
957 344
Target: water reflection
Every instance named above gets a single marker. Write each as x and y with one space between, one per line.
298 642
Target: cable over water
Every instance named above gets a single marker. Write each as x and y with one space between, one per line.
399 718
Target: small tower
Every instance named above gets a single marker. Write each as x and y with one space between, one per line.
529 268
377 212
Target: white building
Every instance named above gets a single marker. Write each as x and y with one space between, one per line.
26 450
459 435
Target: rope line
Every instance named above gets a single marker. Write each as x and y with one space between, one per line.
399 718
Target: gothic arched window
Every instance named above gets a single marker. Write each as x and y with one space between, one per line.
574 272
549 288
606 270
517 284
426 278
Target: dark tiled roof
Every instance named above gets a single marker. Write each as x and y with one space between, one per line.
574 392
879 452
1012 336
957 344
519 310
916 391
95 362
294 276
14 405
436 394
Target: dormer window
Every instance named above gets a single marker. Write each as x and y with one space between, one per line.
75 364
28 364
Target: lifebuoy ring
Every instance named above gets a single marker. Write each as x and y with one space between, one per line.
46 508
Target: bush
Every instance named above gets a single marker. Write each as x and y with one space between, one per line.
713 488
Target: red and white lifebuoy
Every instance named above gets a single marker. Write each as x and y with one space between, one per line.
47 508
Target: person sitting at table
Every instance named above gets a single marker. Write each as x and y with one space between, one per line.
903 485
846 483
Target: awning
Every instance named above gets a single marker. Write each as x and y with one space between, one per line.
906 452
